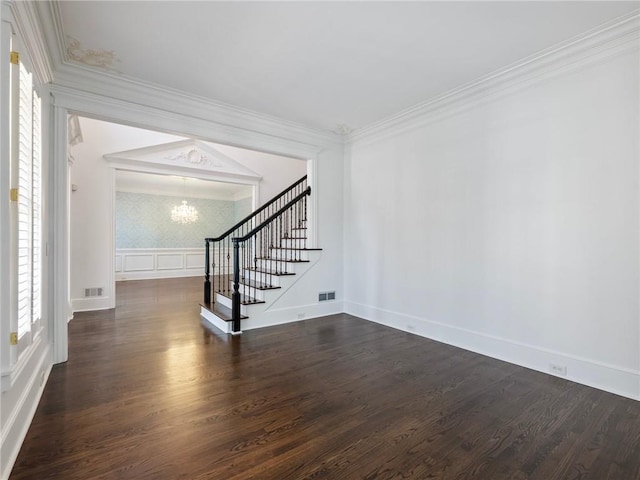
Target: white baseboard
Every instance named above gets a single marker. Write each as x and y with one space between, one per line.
90 304
272 317
610 378
14 429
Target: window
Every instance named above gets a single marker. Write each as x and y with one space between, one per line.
25 259
22 257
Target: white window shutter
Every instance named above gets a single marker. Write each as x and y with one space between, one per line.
25 185
36 212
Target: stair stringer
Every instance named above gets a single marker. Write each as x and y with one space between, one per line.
264 314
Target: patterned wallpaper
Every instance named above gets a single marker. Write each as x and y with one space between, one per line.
144 220
241 209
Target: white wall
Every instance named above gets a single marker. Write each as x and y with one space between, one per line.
277 172
91 228
22 381
301 300
91 209
509 227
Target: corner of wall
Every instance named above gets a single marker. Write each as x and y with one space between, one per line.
610 378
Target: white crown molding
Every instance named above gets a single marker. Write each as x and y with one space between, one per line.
28 26
592 46
143 116
121 87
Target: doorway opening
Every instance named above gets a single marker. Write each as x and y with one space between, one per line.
125 182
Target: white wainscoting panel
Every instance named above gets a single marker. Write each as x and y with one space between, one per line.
136 262
147 263
169 261
195 260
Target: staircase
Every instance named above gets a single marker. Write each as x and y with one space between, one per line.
255 262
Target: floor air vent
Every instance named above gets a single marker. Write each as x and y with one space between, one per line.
93 292
324 296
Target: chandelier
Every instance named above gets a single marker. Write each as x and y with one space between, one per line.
184 213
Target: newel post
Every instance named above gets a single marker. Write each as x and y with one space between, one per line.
235 296
207 276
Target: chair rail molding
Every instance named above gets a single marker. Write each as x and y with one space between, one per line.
148 263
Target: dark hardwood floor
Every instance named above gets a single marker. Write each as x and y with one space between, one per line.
148 393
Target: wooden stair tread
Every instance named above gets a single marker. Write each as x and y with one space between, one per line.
270 272
220 311
283 260
297 249
258 285
244 299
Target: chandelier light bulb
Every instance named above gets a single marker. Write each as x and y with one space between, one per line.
184 213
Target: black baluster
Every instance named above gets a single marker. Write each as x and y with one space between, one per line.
269 252
224 278
223 268
293 244
217 272
280 258
243 262
302 210
258 252
243 265
213 274
249 262
265 245
229 266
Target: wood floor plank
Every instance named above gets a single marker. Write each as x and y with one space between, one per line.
150 392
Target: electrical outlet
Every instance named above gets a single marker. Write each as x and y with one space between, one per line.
558 369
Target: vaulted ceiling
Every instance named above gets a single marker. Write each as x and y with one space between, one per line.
328 65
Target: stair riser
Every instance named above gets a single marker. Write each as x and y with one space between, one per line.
249 291
213 319
274 265
276 253
227 303
222 300
282 262
294 243
259 295
252 276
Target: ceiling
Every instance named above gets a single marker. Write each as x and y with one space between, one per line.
336 66
175 186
